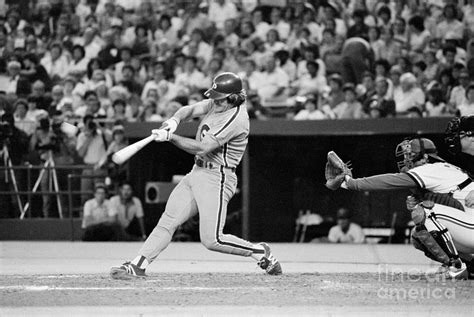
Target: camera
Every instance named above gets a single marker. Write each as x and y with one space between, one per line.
6 130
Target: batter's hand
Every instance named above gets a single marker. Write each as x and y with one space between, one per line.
161 135
171 124
470 199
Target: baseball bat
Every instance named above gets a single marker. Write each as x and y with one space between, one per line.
126 153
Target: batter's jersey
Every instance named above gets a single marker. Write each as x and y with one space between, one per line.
442 178
230 129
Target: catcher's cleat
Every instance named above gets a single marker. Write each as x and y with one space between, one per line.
127 271
268 261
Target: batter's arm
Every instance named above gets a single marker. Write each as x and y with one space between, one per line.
192 111
193 146
381 182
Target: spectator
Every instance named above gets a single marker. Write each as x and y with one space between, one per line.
91 43
125 59
458 93
192 79
91 106
43 98
129 81
273 87
166 32
389 49
109 55
310 111
359 28
91 147
18 85
99 219
260 25
418 37
55 62
357 58
409 96
446 82
94 65
381 104
79 60
350 108
35 71
450 26
22 122
115 173
432 65
336 95
467 108
129 212
400 31
149 113
345 231
310 82
220 11
118 112
375 42
435 106
273 43
141 45
57 96
283 27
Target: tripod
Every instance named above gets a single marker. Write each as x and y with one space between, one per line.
52 183
7 162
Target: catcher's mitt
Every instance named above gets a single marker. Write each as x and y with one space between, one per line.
336 170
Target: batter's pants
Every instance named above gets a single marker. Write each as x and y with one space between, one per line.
207 192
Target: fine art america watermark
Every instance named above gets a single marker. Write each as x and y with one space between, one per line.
433 285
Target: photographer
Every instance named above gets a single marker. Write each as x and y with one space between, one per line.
15 141
42 145
91 147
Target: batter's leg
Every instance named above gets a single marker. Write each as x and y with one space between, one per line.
212 191
180 207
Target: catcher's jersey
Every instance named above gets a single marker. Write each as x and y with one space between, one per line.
230 129
442 178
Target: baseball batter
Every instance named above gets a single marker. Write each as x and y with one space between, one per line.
444 229
218 147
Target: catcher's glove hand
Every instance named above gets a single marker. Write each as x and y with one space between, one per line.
336 171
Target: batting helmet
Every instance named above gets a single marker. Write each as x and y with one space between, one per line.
412 150
224 85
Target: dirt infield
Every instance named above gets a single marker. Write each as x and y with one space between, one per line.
203 283
235 289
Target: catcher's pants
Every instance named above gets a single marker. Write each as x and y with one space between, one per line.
208 192
459 223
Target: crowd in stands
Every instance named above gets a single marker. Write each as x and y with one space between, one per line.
93 61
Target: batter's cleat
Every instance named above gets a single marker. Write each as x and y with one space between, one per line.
268 261
457 274
127 271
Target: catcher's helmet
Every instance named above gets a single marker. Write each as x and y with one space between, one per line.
224 85
412 150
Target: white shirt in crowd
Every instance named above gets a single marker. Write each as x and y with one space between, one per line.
353 235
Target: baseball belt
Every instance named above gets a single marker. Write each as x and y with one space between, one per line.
204 164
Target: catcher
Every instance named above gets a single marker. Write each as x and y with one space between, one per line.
444 229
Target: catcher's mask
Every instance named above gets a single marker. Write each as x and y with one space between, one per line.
410 151
458 128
